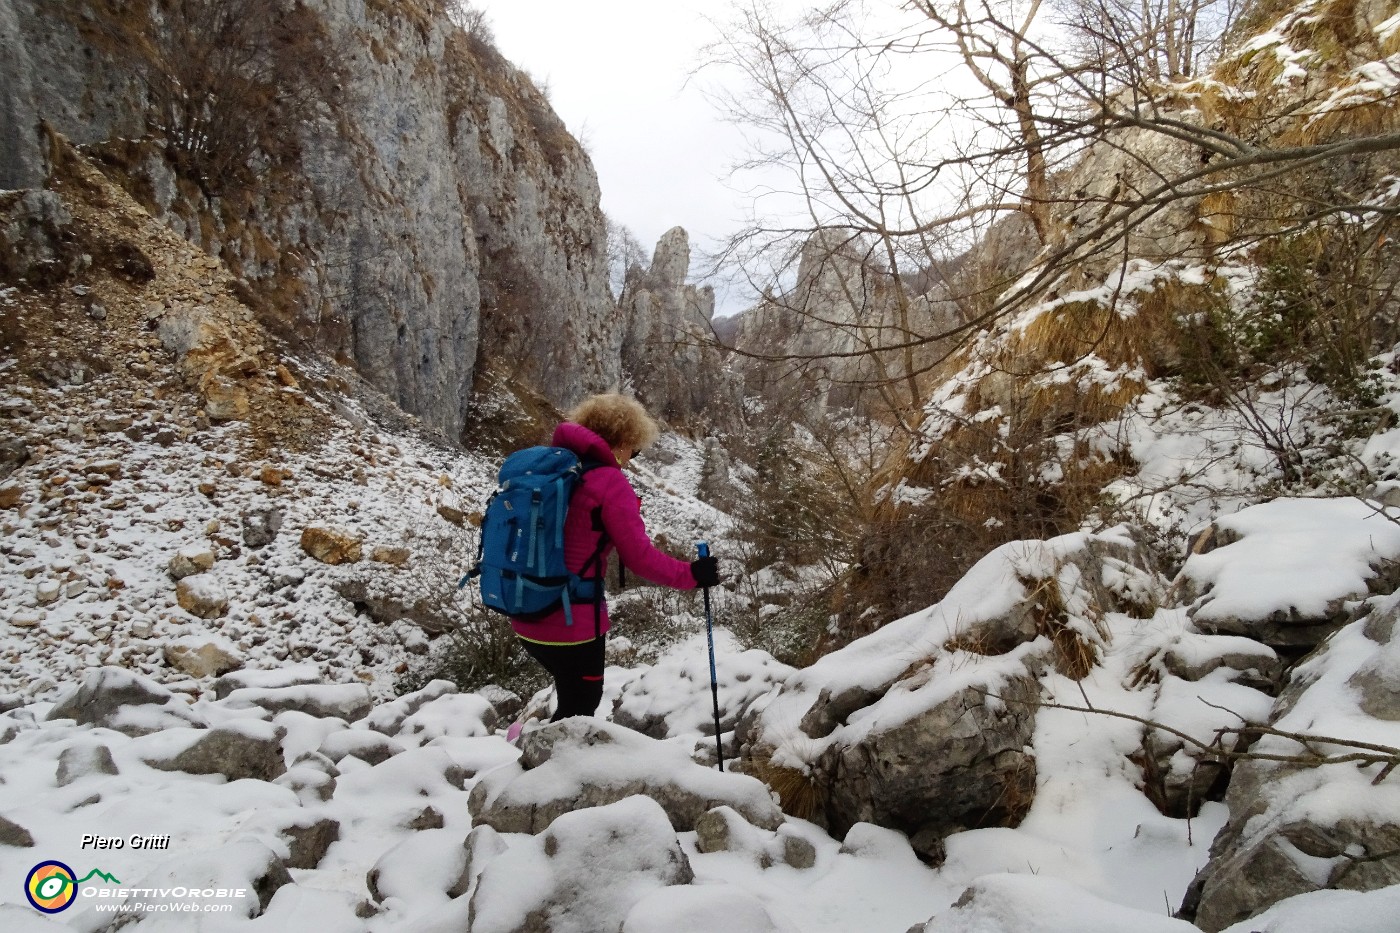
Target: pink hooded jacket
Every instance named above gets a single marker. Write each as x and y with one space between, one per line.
621 513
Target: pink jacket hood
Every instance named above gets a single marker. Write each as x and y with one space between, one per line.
585 443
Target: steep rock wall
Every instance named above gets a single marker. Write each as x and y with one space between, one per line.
667 346
429 213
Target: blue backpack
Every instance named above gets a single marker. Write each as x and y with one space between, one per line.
520 561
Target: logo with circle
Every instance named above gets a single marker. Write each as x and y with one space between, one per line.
51 886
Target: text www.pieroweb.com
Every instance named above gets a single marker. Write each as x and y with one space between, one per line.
164 900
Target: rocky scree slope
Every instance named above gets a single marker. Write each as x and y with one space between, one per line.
180 494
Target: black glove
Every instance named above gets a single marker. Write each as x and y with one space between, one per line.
705 570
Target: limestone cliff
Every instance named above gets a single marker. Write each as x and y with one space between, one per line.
409 202
668 350
830 327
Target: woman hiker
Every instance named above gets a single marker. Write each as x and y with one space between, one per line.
604 514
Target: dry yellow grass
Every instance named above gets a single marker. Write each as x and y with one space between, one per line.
799 793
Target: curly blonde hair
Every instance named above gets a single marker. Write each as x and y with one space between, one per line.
620 420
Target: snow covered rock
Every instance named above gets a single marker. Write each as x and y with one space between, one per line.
311 777
672 697
250 750
81 759
339 701
580 763
1252 663
1296 827
700 907
388 718
724 830
365 744
421 869
1290 571
260 526
387 598
925 726
202 595
462 715
242 865
118 699
506 704
290 675
587 872
1352 911
481 845
308 839
963 763
189 561
1030 904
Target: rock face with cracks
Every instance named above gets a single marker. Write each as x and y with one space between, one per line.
428 209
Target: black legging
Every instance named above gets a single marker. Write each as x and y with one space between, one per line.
578 674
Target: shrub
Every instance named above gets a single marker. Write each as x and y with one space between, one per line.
484 650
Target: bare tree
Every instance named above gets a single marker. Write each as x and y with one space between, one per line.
920 129
933 150
1138 42
624 252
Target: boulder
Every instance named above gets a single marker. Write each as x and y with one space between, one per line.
290 675
627 849
189 561
245 752
481 845
724 830
964 763
393 556
118 699
309 839
1254 664
242 864
1263 576
672 697
1296 858
925 726
82 759
365 744
461 715
14 835
333 701
202 658
311 777
388 718
420 869
260 526
331 544
506 704
11 495
386 601
582 763
202 595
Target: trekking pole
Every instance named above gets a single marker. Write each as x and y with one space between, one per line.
703 549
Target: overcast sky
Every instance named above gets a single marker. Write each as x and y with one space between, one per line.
616 72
